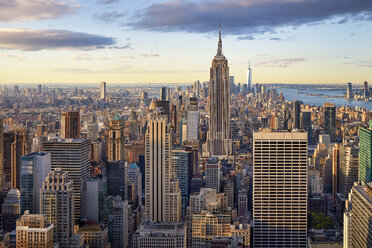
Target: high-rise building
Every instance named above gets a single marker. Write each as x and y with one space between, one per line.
117 179
70 125
34 169
57 204
329 119
120 225
361 214
135 176
335 171
72 156
11 210
280 177
365 155
2 175
102 91
163 94
7 158
219 135
116 140
159 235
349 165
366 91
92 133
20 147
180 170
33 230
349 91
213 167
306 124
249 77
95 201
296 114
193 120
158 149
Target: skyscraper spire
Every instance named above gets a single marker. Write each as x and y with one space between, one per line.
249 64
219 51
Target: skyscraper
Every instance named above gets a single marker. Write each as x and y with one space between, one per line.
135 177
163 94
365 155
349 165
34 169
193 120
349 91
213 173
366 91
120 223
219 136
180 170
116 139
70 125
361 214
57 204
296 114
249 77
11 210
2 175
72 156
117 179
329 119
102 91
158 149
280 189
20 147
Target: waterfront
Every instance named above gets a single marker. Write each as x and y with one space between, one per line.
334 96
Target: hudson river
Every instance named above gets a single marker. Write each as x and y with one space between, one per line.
332 96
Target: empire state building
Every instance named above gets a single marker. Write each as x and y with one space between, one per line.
219 135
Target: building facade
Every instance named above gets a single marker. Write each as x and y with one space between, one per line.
280 189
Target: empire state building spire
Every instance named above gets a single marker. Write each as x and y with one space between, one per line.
219 50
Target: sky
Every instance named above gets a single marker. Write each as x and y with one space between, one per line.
155 41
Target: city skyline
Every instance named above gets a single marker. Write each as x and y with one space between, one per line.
116 41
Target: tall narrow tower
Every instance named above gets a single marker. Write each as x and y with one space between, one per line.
219 135
102 91
163 199
249 77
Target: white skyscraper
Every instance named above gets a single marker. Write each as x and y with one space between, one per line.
159 193
102 91
249 77
280 189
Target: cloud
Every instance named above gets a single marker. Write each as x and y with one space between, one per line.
280 63
14 56
150 55
127 46
109 17
31 10
108 1
246 16
362 63
81 56
34 40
